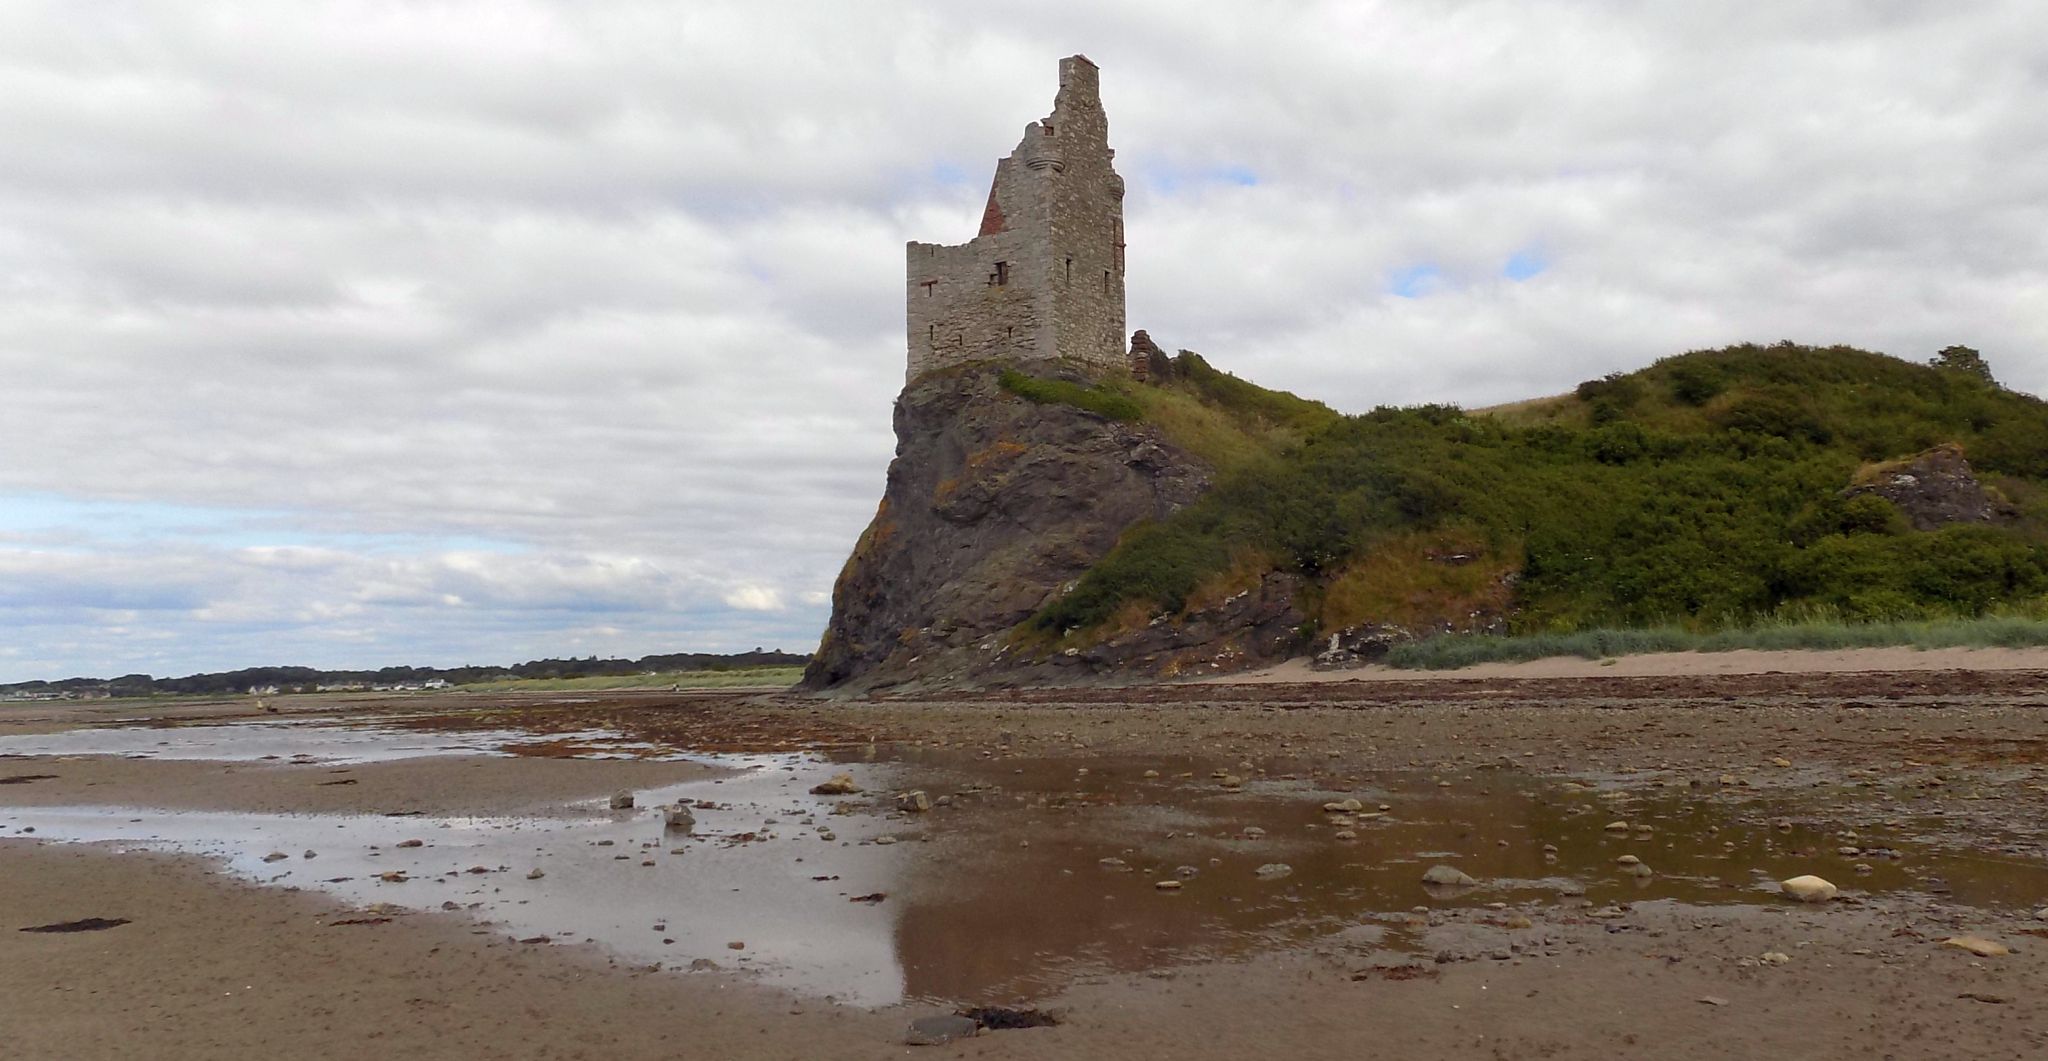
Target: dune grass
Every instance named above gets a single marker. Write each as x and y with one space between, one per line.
1455 651
753 677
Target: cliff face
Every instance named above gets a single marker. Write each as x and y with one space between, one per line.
994 505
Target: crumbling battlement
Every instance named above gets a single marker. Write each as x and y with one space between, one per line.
1045 276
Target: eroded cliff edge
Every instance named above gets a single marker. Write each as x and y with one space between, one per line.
994 505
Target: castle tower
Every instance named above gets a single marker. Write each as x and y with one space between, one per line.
1045 276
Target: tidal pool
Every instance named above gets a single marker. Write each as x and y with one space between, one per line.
1026 872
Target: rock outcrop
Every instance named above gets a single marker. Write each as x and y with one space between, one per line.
994 506
1934 489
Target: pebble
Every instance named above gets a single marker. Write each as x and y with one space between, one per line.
1780 761
1167 885
1617 827
1629 860
1450 875
1809 889
738 944
622 800
276 856
937 1031
1773 957
1344 834
885 840
414 843
535 874
1978 945
915 802
836 785
1114 865
1274 870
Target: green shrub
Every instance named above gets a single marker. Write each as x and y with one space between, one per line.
1097 400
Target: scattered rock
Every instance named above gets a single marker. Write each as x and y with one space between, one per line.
937 1031
1347 806
915 802
1809 889
1636 870
1713 1000
89 924
1231 781
836 785
1274 871
1114 865
738 944
1167 885
1978 945
423 843
1344 834
678 818
276 856
1448 875
622 800
1773 957
535 874
1617 827
1629 860
1780 761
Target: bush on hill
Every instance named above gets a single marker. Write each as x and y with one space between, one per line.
1702 490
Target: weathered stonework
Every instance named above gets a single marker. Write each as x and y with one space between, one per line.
1045 276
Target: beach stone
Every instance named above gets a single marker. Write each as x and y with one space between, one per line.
679 818
1780 761
1231 781
1809 889
622 800
1114 865
1978 945
915 802
1773 957
1617 827
1274 870
1629 860
276 856
423 843
1167 885
836 785
937 1031
535 874
1450 875
1344 834
1346 806
1636 870
1251 832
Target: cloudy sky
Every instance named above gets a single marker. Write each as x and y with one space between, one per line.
348 334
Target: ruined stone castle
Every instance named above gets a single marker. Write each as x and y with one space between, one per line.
1045 276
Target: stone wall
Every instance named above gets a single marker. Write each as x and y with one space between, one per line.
1045 276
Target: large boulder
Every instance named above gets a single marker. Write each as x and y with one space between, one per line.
1934 489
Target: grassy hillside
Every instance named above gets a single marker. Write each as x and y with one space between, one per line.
1700 492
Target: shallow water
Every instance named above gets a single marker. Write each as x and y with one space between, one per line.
1000 894
313 742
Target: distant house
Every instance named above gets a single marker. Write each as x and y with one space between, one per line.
435 683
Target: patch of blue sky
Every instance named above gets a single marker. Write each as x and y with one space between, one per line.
1168 180
1524 264
946 171
1415 281
122 524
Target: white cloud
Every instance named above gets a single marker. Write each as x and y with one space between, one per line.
536 327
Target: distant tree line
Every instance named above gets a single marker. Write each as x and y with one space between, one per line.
306 679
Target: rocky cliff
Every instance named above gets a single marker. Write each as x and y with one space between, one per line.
994 505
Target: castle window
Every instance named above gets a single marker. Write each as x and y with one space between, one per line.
1048 129
1105 282
1002 274
1070 270
928 285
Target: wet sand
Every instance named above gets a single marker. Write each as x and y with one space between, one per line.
1936 780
